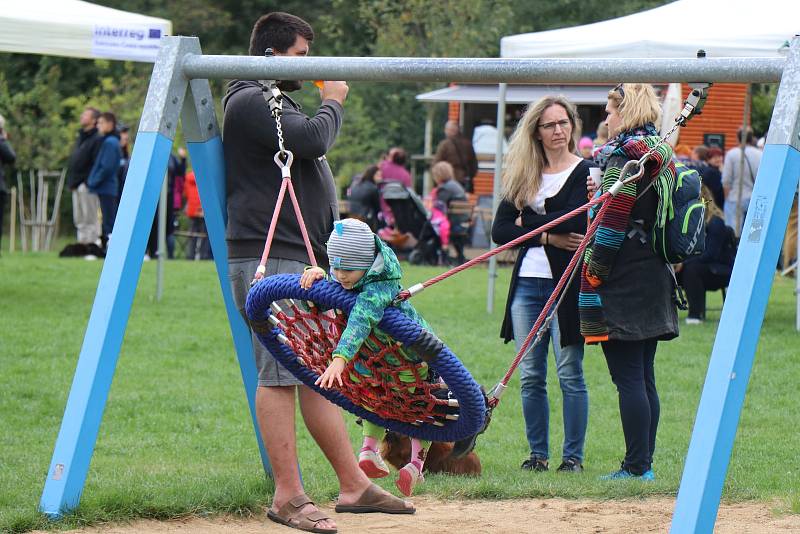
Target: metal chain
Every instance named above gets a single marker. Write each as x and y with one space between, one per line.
279 128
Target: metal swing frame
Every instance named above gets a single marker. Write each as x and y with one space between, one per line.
179 90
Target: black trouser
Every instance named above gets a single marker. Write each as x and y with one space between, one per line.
108 207
198 248
631 364
697 278
2 212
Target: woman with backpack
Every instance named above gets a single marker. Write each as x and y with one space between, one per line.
626 296
712 269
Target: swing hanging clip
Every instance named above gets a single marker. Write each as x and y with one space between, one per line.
693 105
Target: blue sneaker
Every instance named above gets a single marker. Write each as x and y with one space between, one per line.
624 474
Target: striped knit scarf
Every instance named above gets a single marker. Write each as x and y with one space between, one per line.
600 255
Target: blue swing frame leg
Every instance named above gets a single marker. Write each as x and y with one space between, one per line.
207 159
109 317
743 312
734 349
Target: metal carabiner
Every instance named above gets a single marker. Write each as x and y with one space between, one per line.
284 166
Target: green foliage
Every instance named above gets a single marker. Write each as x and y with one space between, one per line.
177 439
761 106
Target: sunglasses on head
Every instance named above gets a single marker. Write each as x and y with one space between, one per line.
620 90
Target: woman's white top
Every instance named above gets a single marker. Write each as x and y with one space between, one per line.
535 264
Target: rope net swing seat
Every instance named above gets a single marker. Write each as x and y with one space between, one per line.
303 332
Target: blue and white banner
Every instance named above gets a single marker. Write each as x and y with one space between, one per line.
127 42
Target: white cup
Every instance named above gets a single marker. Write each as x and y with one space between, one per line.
596 175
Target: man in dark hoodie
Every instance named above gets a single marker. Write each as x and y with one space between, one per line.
85 203
252 183
103 180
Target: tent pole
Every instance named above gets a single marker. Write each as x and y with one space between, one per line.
742 147
498 174
428 151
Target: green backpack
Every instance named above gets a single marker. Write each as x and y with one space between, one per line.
684 234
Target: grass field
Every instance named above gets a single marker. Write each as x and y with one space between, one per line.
176 437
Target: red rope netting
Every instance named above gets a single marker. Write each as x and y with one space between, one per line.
384 377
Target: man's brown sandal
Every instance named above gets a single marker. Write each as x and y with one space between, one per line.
290 515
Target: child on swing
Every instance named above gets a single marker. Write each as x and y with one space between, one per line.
361 262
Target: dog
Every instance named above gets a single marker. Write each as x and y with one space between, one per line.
80 250
396 451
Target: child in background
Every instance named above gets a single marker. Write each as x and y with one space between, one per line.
361 262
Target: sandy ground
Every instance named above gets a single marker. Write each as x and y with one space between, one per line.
549 516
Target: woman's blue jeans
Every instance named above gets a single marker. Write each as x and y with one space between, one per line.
529 299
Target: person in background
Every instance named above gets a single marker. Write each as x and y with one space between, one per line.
711 175
125 160
176 170
484 139
738 177
447 190
683 153
602 134
85 204
789 250
7 157
543 179
457 150
198 246
711 270
365 198
103 179
393 167
585 148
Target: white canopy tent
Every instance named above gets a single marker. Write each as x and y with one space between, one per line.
723 28
79 29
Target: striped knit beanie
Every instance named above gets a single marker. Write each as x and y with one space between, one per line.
351 246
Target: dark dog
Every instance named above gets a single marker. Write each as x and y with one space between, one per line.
80 250
396 451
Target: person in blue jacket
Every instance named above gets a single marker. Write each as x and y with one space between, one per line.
711 270
103 180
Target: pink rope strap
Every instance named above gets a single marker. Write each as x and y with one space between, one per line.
413 290
286 184
495 396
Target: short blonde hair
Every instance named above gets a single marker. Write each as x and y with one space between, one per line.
637 104
525 159
443 171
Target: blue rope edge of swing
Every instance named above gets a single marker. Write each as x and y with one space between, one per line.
472 408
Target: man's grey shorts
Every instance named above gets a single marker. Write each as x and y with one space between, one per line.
240 272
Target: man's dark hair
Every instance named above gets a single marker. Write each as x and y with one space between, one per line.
750 138
95 112
110 117
278 31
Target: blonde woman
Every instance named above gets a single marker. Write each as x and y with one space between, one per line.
543 178
626 298
712 269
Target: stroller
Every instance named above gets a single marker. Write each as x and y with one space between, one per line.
413 229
